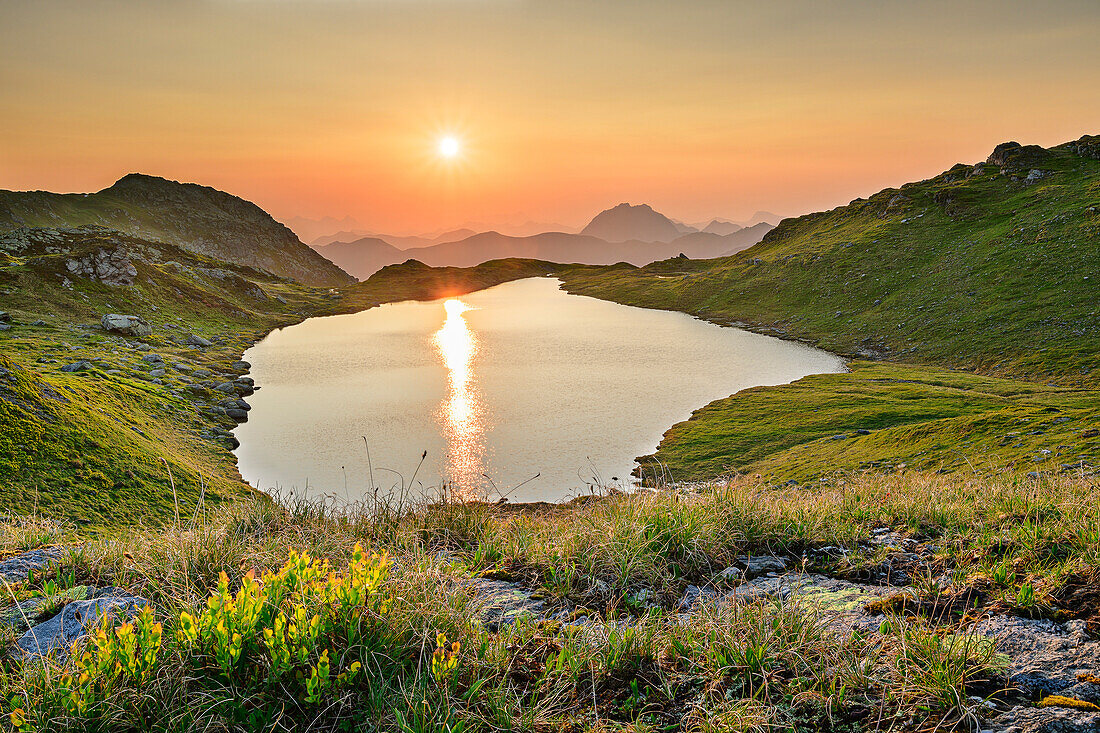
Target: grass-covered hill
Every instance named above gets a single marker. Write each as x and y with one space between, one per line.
988 269
992 267
143 416
197 218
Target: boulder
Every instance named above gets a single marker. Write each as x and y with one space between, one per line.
152 358
77 366
503 603
241 366
5 317
126 325
76 620
194 340
237 414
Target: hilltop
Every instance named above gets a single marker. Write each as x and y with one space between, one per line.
197 218
986 269
625 222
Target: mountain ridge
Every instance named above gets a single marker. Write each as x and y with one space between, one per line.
198 218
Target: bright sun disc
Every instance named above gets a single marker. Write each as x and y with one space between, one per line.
448 146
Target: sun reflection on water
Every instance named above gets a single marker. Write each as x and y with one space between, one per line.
461 412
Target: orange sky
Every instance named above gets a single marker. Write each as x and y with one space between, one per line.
333 107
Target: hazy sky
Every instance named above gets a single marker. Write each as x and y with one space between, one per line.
334 107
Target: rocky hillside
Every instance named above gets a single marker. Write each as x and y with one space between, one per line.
197 218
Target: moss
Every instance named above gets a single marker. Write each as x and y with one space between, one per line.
1061 701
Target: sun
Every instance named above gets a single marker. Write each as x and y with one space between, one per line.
448 146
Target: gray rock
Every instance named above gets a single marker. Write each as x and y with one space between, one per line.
237 414
25 614
38 323
194 340
157 372
226 387
503 603
1044 657
126 325
201 373
109 266
245 380
16 568
693 596
5 327
75 621
5 317
77 366
242 366
730 575
1047 720
759 565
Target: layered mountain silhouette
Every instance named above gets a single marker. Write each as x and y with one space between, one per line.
197 218
366 255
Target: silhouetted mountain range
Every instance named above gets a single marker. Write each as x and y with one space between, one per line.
365 256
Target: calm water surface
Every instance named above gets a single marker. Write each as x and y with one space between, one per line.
498 386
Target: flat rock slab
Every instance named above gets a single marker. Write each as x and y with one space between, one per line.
503 603
16 568
840 599
1046 720
56 636
1044 657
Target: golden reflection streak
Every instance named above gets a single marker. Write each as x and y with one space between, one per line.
461 412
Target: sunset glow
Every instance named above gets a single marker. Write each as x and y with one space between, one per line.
700 109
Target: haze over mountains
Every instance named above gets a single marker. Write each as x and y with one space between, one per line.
625 233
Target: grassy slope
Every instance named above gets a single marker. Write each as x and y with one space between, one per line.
977 271
92 446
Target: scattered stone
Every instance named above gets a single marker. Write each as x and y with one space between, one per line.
5 317
185 368
241 366
237 414
153 358
226 387
157 373
194 340
76 620
38 323
126 325
5 326
839 436
201 373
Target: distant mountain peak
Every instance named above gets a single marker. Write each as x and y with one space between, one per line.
626 222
